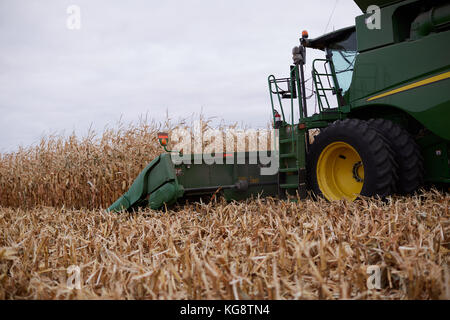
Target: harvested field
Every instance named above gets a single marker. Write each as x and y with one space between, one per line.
258 249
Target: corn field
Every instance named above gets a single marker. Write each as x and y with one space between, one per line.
52 218
89 172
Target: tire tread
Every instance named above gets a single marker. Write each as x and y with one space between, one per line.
406 152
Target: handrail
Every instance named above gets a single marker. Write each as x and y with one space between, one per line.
271 80
318 82
300 91
292 110
293 80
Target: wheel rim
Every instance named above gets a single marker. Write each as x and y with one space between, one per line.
340 172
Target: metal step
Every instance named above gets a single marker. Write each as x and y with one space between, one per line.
288 155
287 140
289 186
287 170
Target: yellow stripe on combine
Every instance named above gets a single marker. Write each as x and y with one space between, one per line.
413 86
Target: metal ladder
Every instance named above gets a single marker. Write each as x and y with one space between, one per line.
292 176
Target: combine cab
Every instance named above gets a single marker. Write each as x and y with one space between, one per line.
383 113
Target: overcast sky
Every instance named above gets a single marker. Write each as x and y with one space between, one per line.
140 57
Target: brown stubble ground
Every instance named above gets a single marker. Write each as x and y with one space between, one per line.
259 249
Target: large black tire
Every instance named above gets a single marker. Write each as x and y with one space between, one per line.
380 169
406 152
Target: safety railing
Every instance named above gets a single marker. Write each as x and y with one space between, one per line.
321 91
293 92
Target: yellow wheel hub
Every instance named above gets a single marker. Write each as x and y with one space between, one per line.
340 172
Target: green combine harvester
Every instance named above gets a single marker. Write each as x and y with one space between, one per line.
382 110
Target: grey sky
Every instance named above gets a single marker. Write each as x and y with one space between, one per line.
145 57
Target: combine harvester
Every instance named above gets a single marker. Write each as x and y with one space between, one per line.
383 115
